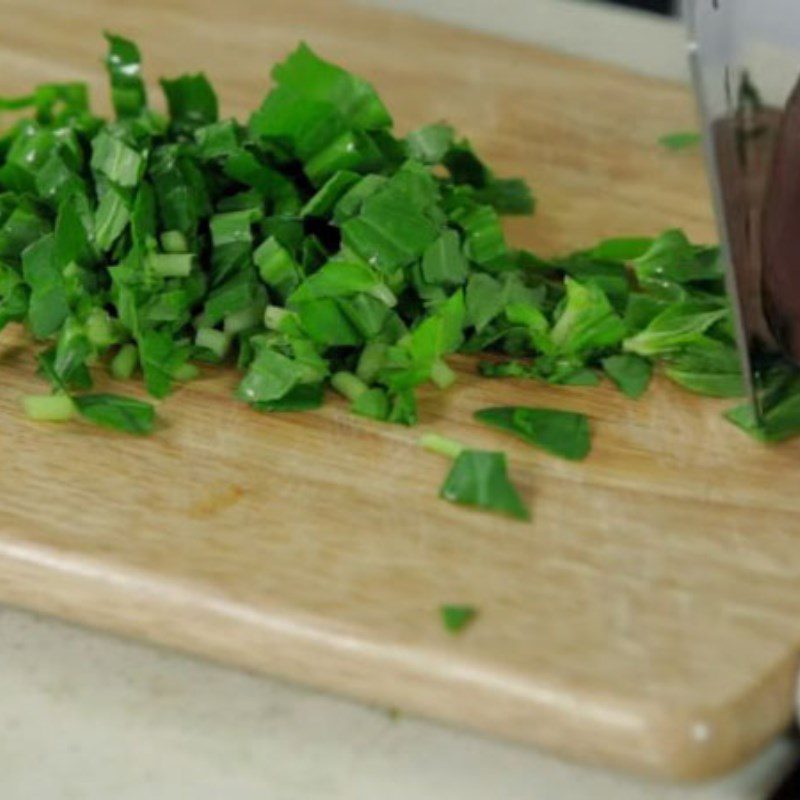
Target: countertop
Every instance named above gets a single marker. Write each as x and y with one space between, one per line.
89 716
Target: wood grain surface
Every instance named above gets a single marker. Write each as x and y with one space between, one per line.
649 616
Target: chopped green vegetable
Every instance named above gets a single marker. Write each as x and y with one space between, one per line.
631 373
673 258
681 140
457 617
621 249
680 325
779 417
124 362
562 433
49 408
441 445
192 102
124 68
707 366
480 478
48 306
587 324
303 397
312 247
477 478
124 414
430 144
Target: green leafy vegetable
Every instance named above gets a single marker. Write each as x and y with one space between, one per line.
457 617
678 326
631 373
48 306
779 416
124 414
681 140
313 247
707 366
477 478
587 324
124 68
562 433
49 408
673 258
192 102
430 144
480 478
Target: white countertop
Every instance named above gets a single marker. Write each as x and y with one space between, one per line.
85 716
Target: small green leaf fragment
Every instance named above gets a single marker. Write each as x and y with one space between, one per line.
124 68
431 143
124 362
630 373
49 408
456 618
562 433
680 140
125 414
303 397
480 478
780 414
49 302
191 101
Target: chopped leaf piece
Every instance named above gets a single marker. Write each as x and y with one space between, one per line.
349 385
673 258
391 231
444 262
779 399
160 358
679 325
49 305
507 196
456 618
778 424
709 367
303 397
486 241
430 144
373 403
111 218
441 445
631 373
329 194
621 249
192 102
124 68
124 362
480 478
562 433
49 408
588 322
681 140
314 79
271 377
124 414
119 162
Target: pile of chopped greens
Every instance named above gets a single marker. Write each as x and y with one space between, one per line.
311 247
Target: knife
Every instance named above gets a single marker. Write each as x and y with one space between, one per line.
745 63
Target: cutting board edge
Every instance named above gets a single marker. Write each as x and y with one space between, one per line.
682 744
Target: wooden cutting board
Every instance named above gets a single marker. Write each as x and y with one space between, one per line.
649 616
